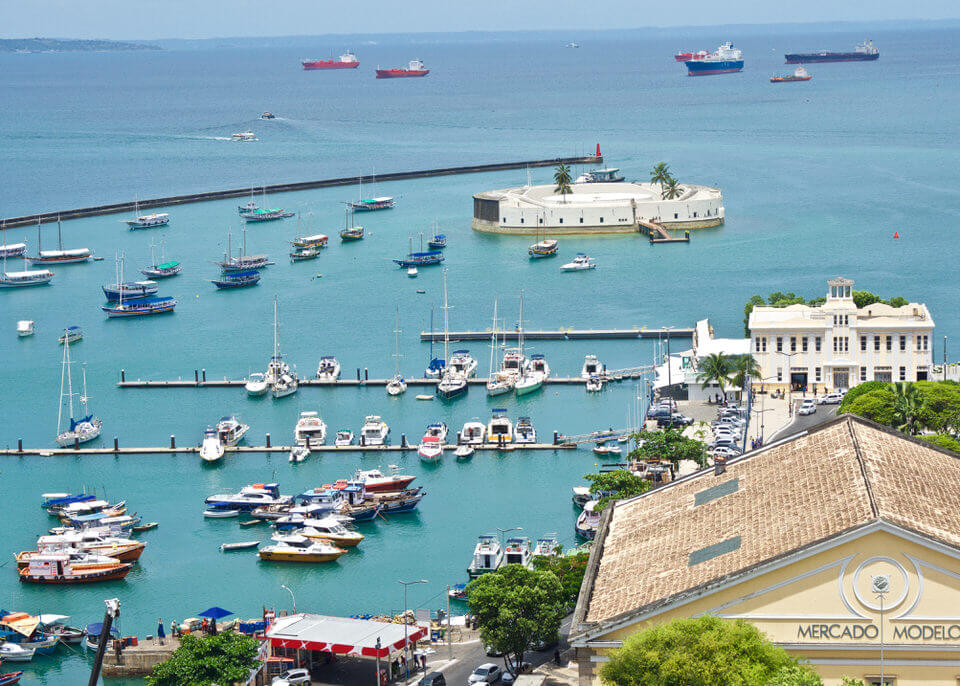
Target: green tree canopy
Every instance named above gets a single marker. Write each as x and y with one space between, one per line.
795 675
716 368
934 405
857 391
516 606
670 445
701 651
907 405
944 441
671 189
876 405
203 660
660 174
941 405
745 366
562 178
568 568
616 484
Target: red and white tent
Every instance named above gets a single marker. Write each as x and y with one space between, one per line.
342 635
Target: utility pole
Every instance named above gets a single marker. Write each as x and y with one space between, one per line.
378 661
880 587
406 641
113 610
449 644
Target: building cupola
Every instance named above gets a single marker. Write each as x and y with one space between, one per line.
840 289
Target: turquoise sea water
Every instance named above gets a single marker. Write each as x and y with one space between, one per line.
816 179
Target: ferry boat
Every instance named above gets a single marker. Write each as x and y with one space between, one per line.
726 60
500 428
29 277
310 429
265 215
296 548
237 279
375 481
316 241
487 556
59 256
73 568
863 52
131 290
420 259
231 430
384 202
346 61
609 175
13 250
375 431
82 429
517 552
71 334
328 371
545 248
687 56
414 68
149 221
140 307
799 74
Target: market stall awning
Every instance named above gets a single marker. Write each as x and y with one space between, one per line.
341 635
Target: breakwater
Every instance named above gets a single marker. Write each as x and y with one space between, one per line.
560 334
153 203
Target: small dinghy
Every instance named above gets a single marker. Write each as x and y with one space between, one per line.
242 545
425 397
146 527
464 452
220 514
299 453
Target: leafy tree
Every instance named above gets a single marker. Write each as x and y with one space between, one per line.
941 405
755 301
660 175
616 485
876 405
848 681
944 441
715 368
795 675
203 660
562 178
907 404
568 568
898 302
515 607
745 366
857 391
671 189
701 651
670 445
863 298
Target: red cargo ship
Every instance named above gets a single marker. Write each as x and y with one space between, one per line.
415 68
346 61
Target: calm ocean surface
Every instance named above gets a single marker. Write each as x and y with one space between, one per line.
816 177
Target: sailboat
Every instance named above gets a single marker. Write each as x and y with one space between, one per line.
436 365
11 249
530 379
146 221
544 247
283 381
139 306
397 385
500 382
59 256
384 202
350 233
243 261
87 427
161 269
129 290
26 277
452 384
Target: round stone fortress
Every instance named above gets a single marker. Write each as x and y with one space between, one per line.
594 208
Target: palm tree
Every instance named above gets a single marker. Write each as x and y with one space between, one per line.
562 178
907 404
671 189
715 368
660 175
745 366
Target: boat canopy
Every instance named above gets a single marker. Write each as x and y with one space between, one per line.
163 299
75 422
167 265
20 622
241 275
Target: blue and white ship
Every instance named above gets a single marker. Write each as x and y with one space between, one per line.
249 498
726 60
131 290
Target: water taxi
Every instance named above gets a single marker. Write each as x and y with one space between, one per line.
487 556
330 529
73 568
294 548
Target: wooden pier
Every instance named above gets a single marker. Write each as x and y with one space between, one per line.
561 334
658 234
200 380
153 203
403 447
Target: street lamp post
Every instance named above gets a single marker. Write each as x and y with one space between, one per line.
881 586
789 357
506 531
292 597
668 329
406 642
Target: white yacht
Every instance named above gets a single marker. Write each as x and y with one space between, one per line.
344 438
514 363
594 384
463 364
330 529
396 385
524 431
299 453
517 552
538 364
310 427
591 367
487 556
211 449
473 432
286 385
500 428
231 430
451 386
580 263
256 384
430 448
374 431
82 429
328 370
25 328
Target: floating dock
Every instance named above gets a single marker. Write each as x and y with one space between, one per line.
561 334
177 450
339 383
658 234
153 203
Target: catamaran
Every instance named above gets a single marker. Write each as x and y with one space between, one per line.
59 256
82 429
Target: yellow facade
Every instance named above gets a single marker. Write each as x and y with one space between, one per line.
822 608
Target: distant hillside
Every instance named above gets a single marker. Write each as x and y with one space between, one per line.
58 45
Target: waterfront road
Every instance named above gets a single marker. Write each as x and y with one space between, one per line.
800 423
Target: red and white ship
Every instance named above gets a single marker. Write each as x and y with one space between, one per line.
687 56
415 68
346 61
375 481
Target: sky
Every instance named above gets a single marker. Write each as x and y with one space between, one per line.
151 19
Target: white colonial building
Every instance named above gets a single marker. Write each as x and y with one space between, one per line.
836 345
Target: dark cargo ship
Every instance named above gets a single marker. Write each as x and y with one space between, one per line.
864 52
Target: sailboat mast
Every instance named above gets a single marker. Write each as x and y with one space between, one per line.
520 331
396 332
59 234
431 332
446 307
493 339
39 238
83 398
276 330
66 343
63 375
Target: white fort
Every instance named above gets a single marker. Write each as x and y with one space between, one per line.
594 208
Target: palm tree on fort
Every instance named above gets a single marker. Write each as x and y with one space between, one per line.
671 189
562 178
660 175
715 368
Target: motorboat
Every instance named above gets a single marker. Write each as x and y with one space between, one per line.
462 364
295 548
149 221
237 279
412 272
608 175
547 545
10 678
231 430
396 385
375 481
607 448
71 334
70 512
299 453
268 115
517 552
310 430
14 652
473 432
580 263
545 248
243 136
212 448
451 386
256 384
123 549
54 626
93 633
464 452
25 327
328 371
524 432
514 363
487 556
538 365
223 513
286 384
344 438
430 448
82 429
249 498
594 384
591 367
331 529
588 521
500 428
56 501
581 495
458 592
374 431
73 568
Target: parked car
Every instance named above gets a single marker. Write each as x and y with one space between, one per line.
808 406
433 679
292 677
509 678
830 399
487 673
490 650
723 451
673 420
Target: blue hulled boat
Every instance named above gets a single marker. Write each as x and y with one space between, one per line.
130 290
726 60
140 307
438 241
237 279
420 259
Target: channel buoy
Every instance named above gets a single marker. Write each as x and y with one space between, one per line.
896 234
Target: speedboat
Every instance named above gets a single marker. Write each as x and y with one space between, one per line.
473 432
611 448
331 529
375 431
431 445
268 115
285 385
328 370
499 428
396 385
588 521
524 431
256 384
451 386
249 498
412 272
211 449
594 384
13 652
438 429
591 367
547 546
299 453
582 495
487 556
25 327
344 438
231 431
464 452
580 263
310 429
463 364
374 481
538 365
296 548
243 136
517 552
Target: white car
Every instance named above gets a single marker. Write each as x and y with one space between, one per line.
830 399
487 673
292 677
723 451
807 407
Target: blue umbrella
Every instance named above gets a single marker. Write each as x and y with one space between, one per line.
215 613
